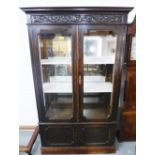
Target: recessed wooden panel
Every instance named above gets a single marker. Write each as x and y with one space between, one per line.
97 135
57 135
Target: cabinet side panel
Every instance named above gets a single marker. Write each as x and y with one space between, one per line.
36 72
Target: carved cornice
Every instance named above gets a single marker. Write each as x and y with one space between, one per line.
78 19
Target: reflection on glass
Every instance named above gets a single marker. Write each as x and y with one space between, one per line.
99 58
55 45
56 66
133 49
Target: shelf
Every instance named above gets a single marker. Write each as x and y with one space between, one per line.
69 79
56 61
60 79
87 60
59 113
63 84
97 87
63 112
60 87
96 113
91 78
99 60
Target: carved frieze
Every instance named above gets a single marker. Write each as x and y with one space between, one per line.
78 19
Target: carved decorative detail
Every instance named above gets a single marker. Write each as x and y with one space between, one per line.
77 19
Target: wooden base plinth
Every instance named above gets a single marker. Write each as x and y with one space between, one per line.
77 150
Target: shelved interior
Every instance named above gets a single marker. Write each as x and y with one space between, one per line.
101 45
59 106
56 65
58 79
96 105
87 60
96 101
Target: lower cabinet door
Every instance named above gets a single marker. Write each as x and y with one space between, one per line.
78 135
53 135
97 135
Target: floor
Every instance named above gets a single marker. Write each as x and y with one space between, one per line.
124 148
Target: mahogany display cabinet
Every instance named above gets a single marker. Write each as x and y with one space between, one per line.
77 59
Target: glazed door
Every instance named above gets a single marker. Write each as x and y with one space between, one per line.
55 54
77 71
101 49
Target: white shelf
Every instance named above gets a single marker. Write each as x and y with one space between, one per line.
56 61
99 60
60 87
63 84
97 87
94 79
65 79
88 87
87 60
60 79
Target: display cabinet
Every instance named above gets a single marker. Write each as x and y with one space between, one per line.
77 58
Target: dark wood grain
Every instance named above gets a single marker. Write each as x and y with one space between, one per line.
77 150
76 9
131 33
127 127
130 89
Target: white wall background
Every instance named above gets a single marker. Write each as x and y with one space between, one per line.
27 106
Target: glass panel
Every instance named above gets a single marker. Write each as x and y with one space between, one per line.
133 49
56 66
99 58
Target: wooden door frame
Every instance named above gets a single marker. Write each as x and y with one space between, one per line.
119 63
34 31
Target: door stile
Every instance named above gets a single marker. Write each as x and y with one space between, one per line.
36 72
75 74
80 70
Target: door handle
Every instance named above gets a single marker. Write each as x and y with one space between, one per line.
80 80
